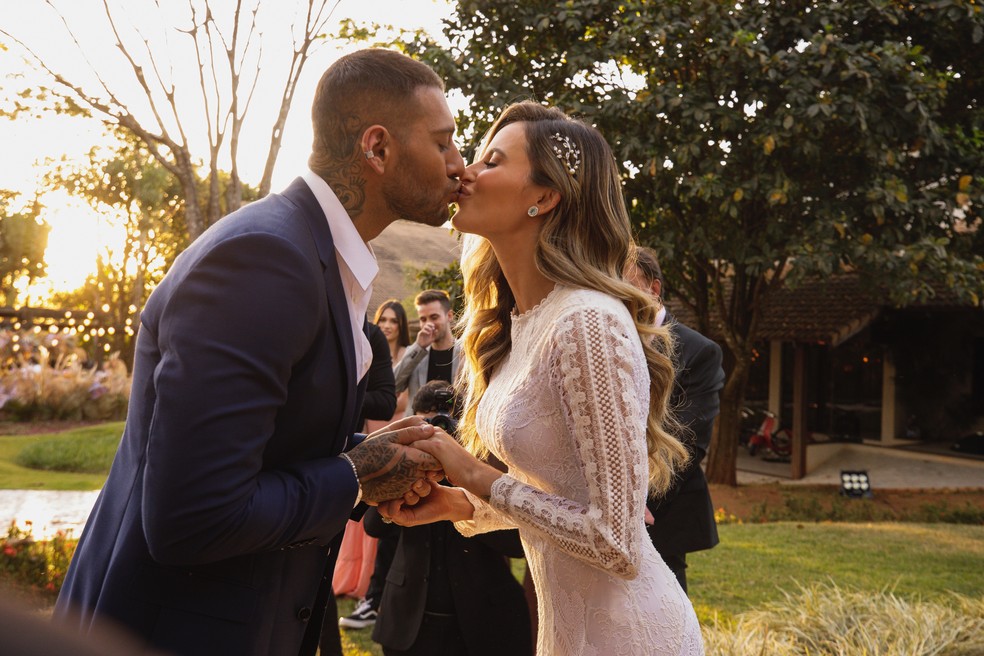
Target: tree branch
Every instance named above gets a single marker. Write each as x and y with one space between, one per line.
312 27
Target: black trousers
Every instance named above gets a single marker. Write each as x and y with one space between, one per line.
678 565
385 550
331 640
438 634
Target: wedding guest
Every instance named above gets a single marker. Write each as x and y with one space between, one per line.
356 550
447 594
392 319
357 557
681 520
434 355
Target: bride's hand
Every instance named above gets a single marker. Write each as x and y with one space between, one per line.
442 503
460 466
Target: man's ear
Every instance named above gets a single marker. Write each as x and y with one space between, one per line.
548 200
656 287
376 147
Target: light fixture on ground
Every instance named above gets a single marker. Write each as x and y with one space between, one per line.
855 484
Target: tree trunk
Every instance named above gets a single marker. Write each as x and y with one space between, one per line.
194 218
722 457
214 191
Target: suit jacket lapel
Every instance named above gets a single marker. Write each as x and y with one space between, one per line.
301 194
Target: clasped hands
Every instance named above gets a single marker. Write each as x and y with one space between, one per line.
400 468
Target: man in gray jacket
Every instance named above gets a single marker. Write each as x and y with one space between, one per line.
436 354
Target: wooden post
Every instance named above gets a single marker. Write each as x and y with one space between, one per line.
799 413
775 379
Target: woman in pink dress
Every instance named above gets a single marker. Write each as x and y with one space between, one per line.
357 552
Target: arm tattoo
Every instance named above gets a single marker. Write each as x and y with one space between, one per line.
385 468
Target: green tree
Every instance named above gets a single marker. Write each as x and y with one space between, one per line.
763 142
165 105
23 240
127 182
449 279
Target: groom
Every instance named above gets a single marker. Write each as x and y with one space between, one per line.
236 466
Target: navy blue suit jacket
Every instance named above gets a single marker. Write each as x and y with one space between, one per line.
209 535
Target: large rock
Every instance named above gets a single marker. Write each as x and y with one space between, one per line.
403 249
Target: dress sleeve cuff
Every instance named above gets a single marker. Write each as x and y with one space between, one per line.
485 517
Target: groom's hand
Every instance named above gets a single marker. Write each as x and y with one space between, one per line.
442 503
388 468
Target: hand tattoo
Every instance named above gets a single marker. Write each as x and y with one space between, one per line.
387 469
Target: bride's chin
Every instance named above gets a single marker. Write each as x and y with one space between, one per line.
458 224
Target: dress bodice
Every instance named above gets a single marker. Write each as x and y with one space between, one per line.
566 412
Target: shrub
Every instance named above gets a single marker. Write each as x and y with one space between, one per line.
825 619
88 451
41 565
722 516
833 508
45 379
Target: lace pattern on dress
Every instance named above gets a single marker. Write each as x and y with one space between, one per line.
566 411
601 407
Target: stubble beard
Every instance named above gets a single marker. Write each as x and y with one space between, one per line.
411 202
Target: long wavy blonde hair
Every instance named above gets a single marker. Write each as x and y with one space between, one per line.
584 243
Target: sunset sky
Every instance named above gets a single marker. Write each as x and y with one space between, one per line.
28 144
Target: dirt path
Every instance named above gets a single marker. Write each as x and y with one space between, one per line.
36 427
746 501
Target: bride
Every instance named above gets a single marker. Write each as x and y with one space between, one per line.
567 381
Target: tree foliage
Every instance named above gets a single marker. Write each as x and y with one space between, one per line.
763 141
224 43
448 279
23 240
127 184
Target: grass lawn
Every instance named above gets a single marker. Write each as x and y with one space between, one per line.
755 563
81 448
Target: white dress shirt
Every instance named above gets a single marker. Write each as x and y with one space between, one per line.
356 264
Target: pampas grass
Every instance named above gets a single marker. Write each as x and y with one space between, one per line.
43 377
826 619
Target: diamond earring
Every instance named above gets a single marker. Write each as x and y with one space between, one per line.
369 154
533 211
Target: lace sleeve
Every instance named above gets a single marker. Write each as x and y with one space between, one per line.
598 364
485 519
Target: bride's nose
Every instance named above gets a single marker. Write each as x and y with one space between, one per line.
470 172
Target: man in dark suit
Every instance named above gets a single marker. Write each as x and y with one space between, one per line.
237 466
682 520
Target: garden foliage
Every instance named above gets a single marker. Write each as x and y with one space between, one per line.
40 564
44 376
763 143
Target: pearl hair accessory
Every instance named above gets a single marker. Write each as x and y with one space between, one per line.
567 152
533 211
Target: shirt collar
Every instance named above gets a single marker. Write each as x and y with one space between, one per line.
661 316
357 254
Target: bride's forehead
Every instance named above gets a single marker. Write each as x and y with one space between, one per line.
508 138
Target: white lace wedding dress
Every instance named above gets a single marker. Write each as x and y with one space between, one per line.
566 411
